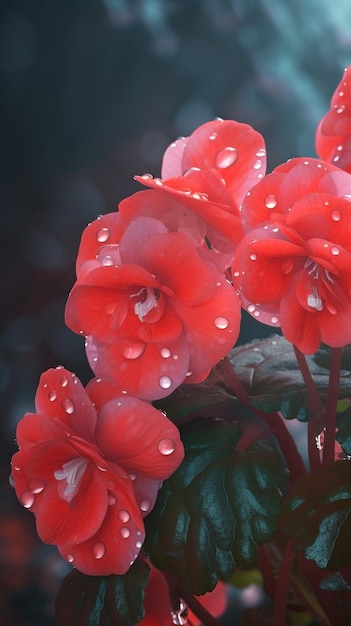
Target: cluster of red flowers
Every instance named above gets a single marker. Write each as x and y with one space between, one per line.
159 290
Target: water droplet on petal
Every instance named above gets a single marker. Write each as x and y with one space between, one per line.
331 308
138 544
98 550
251 308
213 136
11 480
336 215
166 446
69 558
271 201
124 532
145 505
134 351
226 157
257 165
64 381
261 152
52 396
123 516
27 499
221 322
132 476
103 235
274 319
334 250
111 499
165 353
68 406
107 260
253 257
165 382
36 486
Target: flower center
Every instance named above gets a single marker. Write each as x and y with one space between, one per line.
72 472
147 302
313 299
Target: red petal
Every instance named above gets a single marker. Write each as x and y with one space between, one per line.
115 545
173 157
60 394
155 374
134 435
107 229
234 149
211 328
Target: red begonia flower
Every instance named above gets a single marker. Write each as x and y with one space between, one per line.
90 474
158 609
235 151
157 310
333 135
295 270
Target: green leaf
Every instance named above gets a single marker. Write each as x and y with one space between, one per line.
343 436
316 515
191 399
270 374
215 510
102 600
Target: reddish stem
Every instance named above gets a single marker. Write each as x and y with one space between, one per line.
283 585
316 423
274 420
331 406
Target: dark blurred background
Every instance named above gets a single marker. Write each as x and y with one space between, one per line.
91 93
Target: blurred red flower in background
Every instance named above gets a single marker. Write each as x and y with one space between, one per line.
333 135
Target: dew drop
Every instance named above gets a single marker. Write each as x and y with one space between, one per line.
257 313
271 201
261 152
274 319
123 516
68 406
148 176
103 235
36 486
27 499
226 157
134 352
253 257
124 532
336 159
336 215
213 136
165 353
64 381
138 544
334 250
98 550
107 260
331 308
251 308
111 499
52 396
165 382
221 322
257 165
275 229
132 476
69 558
166 446
145 505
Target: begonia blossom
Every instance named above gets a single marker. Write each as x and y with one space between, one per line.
154 307
89 467
293 267
333 135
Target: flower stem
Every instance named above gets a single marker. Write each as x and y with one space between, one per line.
274 420
283 585
176 593
331 406
316 423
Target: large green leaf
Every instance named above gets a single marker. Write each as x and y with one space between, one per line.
102 600
215 510
270 374
317 515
